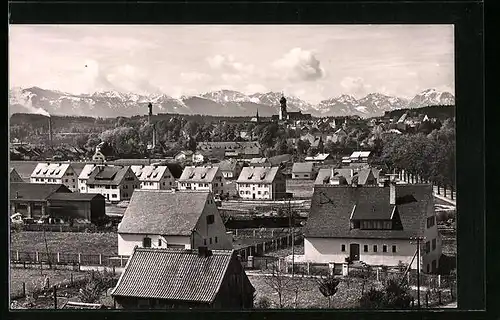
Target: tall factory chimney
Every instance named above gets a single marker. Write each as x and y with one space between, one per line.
50 131
150 121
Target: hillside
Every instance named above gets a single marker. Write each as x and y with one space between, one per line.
440 112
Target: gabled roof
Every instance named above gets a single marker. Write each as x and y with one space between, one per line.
258 160
332 206
318 157
168 274
50 170
302 167
34 191
373 211
360 154
86 171
75 196
108 175
150 173
348 173
163 212
258 175
199 174
227 165
282 158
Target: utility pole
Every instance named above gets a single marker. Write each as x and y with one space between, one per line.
418 239
292 229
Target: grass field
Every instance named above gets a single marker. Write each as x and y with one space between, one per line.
65 242
300 188
34 279
309 295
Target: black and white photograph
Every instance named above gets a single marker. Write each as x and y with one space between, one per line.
163 166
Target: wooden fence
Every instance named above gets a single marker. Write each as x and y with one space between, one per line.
20 257
269 244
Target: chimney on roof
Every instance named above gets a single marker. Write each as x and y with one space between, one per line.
203 252
392 189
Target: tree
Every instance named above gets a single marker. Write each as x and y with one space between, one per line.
278 282
302 146
394 295
328 287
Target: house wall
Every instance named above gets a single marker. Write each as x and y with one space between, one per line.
29 209
324 250
255 190
216 186
127 242
236 291
430 234
70 209
15 177
69 179
207 233
133 303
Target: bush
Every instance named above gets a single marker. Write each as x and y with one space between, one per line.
394 295
263 303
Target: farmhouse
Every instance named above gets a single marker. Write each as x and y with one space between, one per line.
154 177
30 199
14 176
230 168
183 279
171 219
372 224
206 178
339 176
261 183
55 173
115 183
89 207
302 170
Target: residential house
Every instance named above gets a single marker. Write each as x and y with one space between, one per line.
154 177
84 177
198 157
244 149
338 136
260 162
102 153
30 199
303 170
261 183
171 219
360 156
115 183
14 176
319 158
55 173
373 224
344 176
313 140
183 279
208 178
84 206
230 168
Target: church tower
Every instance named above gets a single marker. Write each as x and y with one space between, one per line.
283 112
257 116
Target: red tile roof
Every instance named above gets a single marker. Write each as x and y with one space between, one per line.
169 274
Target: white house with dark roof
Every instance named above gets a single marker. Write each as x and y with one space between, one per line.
205 178
55 173
261 183
154 177
230 168
115 183
184 279
14 176
302 170
171 219
373 224
339 176
84 177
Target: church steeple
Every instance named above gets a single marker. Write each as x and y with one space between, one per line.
257 116
283 111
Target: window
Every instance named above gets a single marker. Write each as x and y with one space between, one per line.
210 219
259 192
215 239
73 180
66 180
210 240
146 242
365 248
384 248
427 247
159 242
433 244
205 241
375 248
242 192
431 221
343 248
393 248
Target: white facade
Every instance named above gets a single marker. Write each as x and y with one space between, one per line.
154 177
255 190
116 193
55 173
212 235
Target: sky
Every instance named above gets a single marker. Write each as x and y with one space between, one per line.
312 62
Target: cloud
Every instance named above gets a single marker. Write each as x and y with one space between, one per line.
231 77
254 88
300 65
355 86
194 76
228 64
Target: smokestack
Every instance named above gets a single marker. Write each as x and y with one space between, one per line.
50 131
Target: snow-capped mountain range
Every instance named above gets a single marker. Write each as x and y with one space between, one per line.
222 102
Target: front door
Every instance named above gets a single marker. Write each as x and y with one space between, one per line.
354 252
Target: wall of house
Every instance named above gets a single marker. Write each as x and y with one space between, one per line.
70 209
111 193
255 190
29 209
127 242
236 291
430 234
82 185
15 177
133 303
324 250
70 179
207 233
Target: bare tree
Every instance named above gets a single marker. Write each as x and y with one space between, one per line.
278 282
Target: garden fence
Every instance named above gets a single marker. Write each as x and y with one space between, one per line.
58 258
